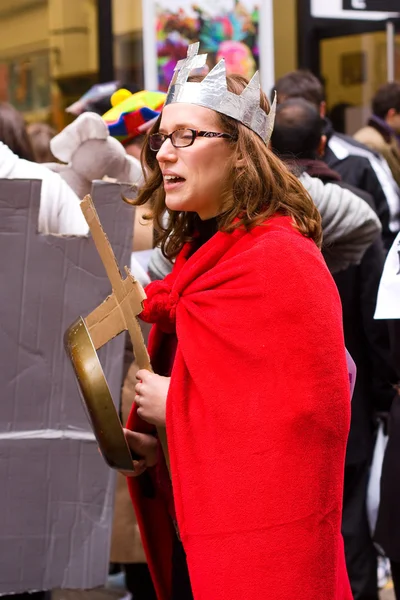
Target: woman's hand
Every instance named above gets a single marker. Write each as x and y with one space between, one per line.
145 446
151 397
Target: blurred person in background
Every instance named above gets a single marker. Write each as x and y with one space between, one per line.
13 132
382 132
60 211
40 135
387 532
298 139
356 164
135 145
131 116
337 116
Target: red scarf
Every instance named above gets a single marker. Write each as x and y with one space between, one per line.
257 420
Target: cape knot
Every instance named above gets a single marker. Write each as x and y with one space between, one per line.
160 306
172 302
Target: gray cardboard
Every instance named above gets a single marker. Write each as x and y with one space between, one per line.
56 493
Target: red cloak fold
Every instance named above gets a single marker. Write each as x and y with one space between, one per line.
257 420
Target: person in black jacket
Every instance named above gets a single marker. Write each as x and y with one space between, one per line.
298 138
387 532
357 164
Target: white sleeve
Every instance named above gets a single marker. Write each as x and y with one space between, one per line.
349 225
159 266
60 211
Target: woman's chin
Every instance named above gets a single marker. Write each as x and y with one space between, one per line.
174 203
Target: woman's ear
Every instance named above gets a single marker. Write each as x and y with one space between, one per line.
239 161
322 146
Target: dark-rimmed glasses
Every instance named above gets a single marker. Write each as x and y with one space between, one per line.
182 138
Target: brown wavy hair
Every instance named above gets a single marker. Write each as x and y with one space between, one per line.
259 187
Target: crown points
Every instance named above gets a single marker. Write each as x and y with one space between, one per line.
212 93
216 77
252 91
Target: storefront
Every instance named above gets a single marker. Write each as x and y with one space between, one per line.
52 51
349 45
345 42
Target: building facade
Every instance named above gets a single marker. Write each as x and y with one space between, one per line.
49 52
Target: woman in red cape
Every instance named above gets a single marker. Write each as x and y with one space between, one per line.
250 372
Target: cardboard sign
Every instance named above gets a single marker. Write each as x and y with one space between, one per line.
56 493
388 301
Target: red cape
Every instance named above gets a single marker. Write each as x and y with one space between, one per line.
258 414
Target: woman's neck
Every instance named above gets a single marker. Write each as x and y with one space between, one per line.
204 230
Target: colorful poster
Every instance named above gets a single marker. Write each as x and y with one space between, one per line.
224 28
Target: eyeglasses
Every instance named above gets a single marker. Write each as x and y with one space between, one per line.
181 138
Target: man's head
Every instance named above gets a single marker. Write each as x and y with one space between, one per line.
302 84
298 130
386 104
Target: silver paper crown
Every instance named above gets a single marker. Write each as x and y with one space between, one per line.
213 93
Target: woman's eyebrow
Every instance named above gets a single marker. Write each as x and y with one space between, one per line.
178 126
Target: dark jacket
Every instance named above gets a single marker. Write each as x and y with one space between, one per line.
358 171
366 339
387 532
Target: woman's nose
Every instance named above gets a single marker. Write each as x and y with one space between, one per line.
167 152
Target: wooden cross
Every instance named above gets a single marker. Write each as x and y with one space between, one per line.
119 311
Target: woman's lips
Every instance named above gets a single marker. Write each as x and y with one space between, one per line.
171 183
